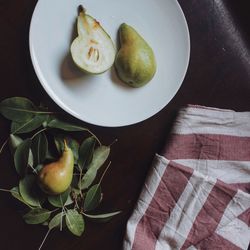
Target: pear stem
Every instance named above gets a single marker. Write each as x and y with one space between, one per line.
65 145
81 9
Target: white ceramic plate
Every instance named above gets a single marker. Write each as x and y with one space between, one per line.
103 99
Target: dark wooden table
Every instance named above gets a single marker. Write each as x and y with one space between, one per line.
218 76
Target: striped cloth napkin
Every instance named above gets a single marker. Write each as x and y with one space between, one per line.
197 194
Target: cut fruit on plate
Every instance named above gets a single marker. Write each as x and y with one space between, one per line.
93 50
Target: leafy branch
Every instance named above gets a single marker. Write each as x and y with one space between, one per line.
42 139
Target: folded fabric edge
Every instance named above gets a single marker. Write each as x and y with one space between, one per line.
207 107
195 119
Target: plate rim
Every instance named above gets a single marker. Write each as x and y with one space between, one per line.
71 112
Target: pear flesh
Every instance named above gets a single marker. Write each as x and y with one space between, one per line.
135 61
93 50
56 177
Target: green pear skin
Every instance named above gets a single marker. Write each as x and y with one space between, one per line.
135 61
56 177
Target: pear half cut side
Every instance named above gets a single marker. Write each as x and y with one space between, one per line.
93 51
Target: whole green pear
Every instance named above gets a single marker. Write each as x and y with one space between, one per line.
135 61
55 178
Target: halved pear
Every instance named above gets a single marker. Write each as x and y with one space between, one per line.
93 50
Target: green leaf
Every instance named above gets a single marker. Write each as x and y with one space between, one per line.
56 221
39 148
93 198
75 222
86 152
48 120
100 155
14 142
27 190
29 125
37 216
17 109
16 194
66 126
69 201
102 217
72 143
21 156
59 200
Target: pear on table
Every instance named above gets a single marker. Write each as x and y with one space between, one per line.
93 50
135 61
56 177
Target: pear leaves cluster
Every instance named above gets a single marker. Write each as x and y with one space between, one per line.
37 137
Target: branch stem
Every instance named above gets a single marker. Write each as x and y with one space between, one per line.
3 145
6 190
104 172
47 234
95 137
38 132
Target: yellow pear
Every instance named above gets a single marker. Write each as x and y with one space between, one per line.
55 178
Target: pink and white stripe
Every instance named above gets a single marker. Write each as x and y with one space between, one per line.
197 195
